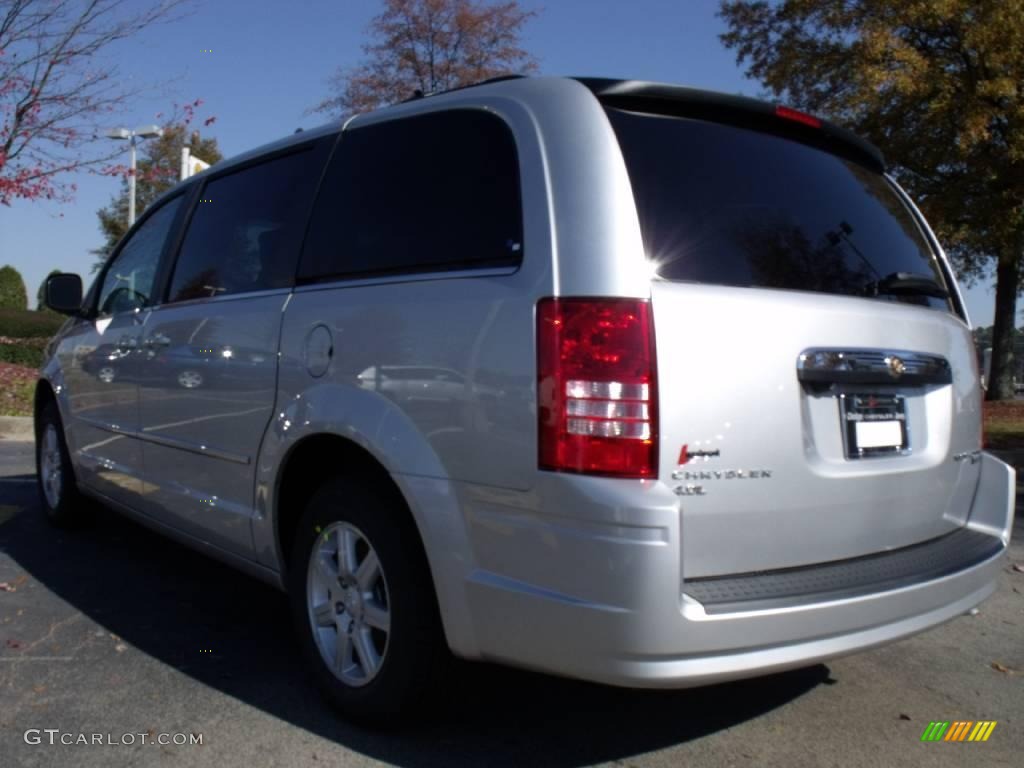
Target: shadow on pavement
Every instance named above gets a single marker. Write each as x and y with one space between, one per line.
168 602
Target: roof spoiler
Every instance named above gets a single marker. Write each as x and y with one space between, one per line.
677 101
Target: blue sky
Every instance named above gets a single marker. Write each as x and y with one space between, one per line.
271 60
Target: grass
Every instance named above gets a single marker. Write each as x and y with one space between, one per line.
17 389
1004 425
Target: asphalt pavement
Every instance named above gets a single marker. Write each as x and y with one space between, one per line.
114 633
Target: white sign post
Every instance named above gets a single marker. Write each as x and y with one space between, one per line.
191 165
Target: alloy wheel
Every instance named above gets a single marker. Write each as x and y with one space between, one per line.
348 604
51 466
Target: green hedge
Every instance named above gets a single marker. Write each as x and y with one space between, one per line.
28 324
31 357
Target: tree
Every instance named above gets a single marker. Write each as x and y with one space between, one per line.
937 85
41 293
983 337
431 45
157 171
56 87
12 289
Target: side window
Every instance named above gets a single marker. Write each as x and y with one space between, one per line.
130 279
434 192
247 227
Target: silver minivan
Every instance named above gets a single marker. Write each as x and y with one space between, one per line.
621 381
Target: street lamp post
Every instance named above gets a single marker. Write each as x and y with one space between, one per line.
139 133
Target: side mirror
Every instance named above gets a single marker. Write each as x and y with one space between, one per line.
64 293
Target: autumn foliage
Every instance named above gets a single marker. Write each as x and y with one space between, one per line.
938 86
428 46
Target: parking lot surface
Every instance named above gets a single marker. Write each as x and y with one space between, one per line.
113 630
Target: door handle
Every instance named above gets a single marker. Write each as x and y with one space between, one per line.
155 342
127 343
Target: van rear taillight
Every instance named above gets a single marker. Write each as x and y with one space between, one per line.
597 387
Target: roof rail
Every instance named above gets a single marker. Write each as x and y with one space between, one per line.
419 94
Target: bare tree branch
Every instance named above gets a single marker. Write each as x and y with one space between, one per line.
55 92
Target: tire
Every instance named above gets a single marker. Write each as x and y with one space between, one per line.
55 477
388 612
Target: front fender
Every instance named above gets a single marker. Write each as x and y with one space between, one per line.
52 374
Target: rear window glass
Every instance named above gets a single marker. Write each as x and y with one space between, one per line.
725 205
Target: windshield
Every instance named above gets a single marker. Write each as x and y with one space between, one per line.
731 206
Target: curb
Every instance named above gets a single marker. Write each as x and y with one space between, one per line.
16 428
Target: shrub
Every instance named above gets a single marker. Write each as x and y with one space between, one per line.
29 325
12 289
29 356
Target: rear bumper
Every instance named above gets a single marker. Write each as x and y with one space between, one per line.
910 566
602 598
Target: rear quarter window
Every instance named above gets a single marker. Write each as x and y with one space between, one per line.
421 194
726 205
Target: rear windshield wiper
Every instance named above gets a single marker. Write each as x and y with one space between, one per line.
907 284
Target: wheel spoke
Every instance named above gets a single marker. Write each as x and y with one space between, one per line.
325 570
369 660
377 616
324 615
347 563
343 651
368 571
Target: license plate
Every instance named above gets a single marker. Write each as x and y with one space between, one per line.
873 425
